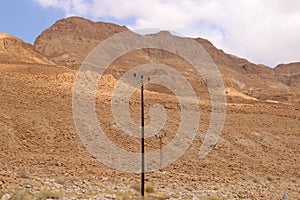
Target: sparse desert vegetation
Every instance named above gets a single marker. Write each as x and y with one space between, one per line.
42 156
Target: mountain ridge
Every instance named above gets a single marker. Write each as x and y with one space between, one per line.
257 155
288 73
68 41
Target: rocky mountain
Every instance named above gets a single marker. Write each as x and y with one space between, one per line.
42 156
69 40
16 51
237 64
289 74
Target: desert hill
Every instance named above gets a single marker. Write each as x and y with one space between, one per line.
237 64
257 81
289 74
16 51
69 40
256 157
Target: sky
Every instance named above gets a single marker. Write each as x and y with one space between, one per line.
262 31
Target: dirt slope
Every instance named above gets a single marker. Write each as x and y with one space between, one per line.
15 51
257 156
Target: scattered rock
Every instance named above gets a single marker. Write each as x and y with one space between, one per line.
110 196
6 197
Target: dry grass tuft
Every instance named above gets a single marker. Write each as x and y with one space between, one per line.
46 194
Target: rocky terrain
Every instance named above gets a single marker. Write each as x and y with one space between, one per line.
42 156
69 40
15 51
288 74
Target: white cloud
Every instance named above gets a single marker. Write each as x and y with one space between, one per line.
261 31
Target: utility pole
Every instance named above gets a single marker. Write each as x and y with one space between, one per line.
160 137
142 136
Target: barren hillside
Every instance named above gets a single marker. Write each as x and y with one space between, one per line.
15 51
289 74
69 41
256 157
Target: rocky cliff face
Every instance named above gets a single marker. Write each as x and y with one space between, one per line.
288 74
